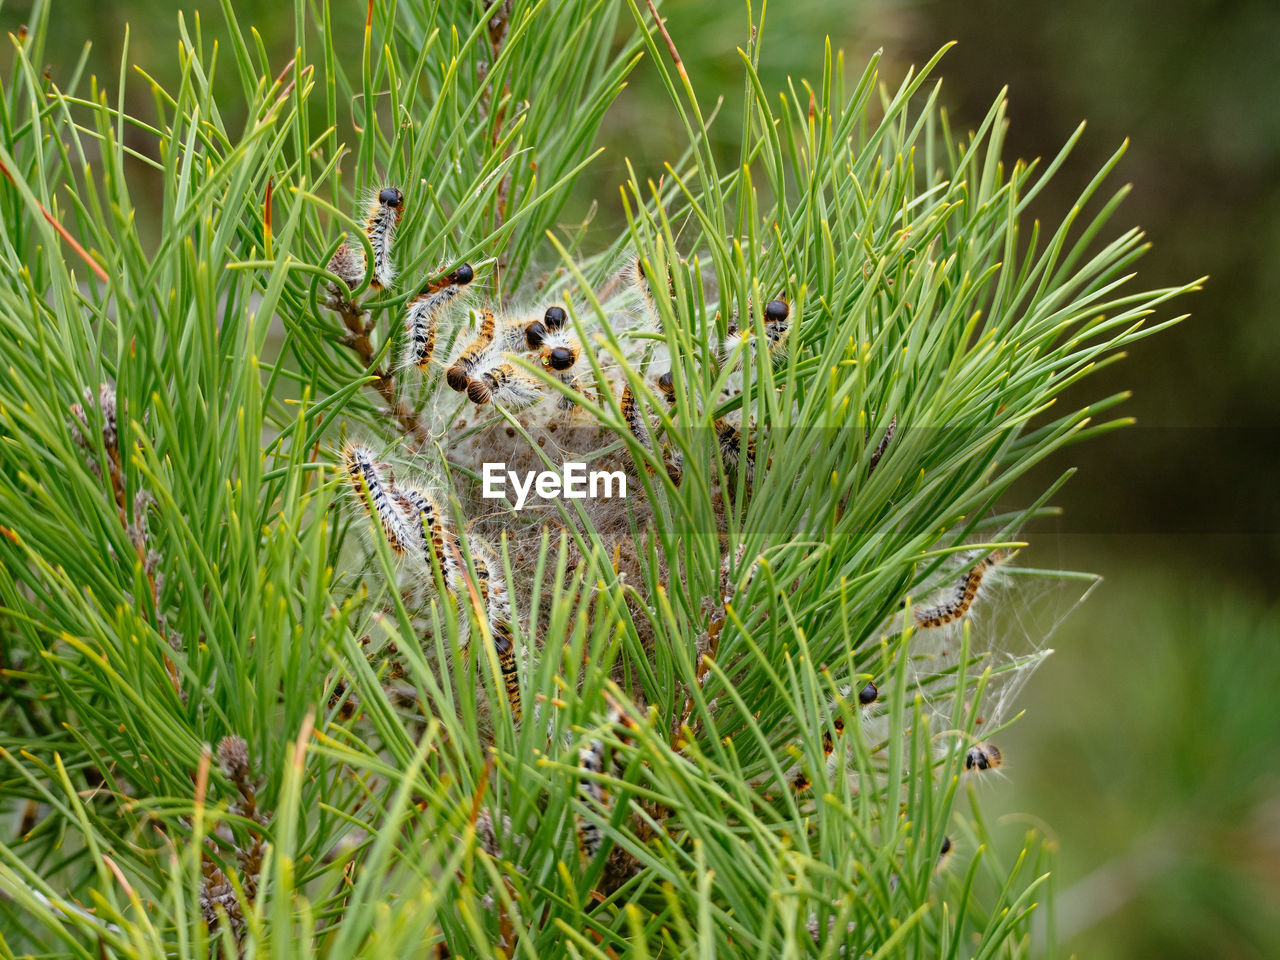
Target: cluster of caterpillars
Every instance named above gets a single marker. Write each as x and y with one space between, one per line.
735 455
415 527
483 369
485 373
954 605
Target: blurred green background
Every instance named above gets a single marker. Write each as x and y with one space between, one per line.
1151 749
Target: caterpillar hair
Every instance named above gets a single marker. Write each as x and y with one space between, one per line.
667 387
552 322
591 760
574 382
377 495
801 782
635 418
497 611
640 281
983 756
381 220
504 645
458 376
422 314
557 350
944 855
435 539
776 323
962 596
505 385
482 575
639 427
729 442
673 460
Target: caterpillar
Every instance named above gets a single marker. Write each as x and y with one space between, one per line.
504 645
801 782
377 496
435 540
640 281
635 418
983 756
423 311
458 376
962 596
436 537
506 385
497 609
776 323
729 441
883 445
591 760
557 350
868 695
667 387
944 855
384 213
639 427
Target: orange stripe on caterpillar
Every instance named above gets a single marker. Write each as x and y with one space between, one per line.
458 376
377 495
963 594
434 538
639 427
506 385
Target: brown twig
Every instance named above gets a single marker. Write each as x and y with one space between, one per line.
357 338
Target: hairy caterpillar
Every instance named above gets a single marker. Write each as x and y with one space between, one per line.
381 220
639 427
504 384
435 537
983 756
348 264
497 612
591 760
422 314
557 350
868 695
883 445
776 323
944 855
377 496
963 593
458 376
732 455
